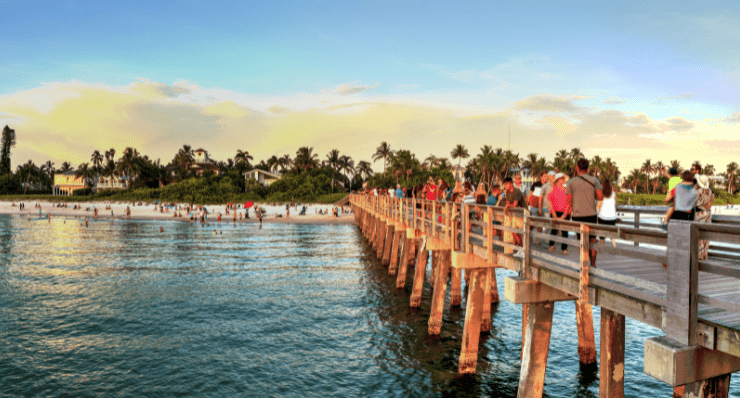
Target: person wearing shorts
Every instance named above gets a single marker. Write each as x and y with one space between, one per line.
581 194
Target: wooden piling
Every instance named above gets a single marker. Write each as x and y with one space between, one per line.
398 236
611 364
411 260
456 288
584 314
473 317
485 325
419 276
536 349
406 245
388 244
381 237
439 293
716 387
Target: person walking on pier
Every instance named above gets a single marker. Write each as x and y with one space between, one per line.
513 197
703 208
582 192
559 209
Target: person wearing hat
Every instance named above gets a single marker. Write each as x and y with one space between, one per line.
559 209
703 208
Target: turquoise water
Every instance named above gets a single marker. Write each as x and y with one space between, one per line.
120 309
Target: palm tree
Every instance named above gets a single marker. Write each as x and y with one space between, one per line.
285 162
635 178
346 164
332 159
97 160
709 170
66 166
731 170
443 164
459 153
383 151
364 169
48 167
560 160
597 165
87 174
273 163
243 157
305 158
430 161
646 168
677 165
128 164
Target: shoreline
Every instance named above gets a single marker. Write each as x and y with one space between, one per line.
147 212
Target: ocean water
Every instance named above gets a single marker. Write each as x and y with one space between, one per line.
118 309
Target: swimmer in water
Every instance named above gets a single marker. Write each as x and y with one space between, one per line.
86 222
161 229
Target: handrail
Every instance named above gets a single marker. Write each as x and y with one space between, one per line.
452 223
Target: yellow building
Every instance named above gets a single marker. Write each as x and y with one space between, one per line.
65 183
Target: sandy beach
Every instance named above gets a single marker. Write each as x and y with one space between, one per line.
275 213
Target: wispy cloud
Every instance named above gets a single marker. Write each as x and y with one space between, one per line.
351 88
734 118
614 100
663 100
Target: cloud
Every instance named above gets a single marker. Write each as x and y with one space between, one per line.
663 100
68 121
678 124
147 87
351 88
406 86
734 118
277 109
546 103
614 101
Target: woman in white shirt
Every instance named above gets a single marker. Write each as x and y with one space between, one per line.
607 207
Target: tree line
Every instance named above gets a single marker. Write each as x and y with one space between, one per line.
402 166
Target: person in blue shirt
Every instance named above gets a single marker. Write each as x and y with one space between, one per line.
399 191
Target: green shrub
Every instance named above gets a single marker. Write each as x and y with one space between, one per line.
9 185
82 192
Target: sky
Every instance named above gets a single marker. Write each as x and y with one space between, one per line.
628 80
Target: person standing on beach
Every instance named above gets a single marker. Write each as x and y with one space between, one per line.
582 193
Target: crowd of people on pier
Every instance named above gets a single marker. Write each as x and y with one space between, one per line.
580 198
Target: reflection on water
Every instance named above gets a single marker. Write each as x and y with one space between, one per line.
118 308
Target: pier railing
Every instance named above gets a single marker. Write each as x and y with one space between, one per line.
690 300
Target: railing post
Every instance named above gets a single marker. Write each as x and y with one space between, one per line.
525 266
584 314
413 209
683 283
637 225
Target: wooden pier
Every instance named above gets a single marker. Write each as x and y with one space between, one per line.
695 302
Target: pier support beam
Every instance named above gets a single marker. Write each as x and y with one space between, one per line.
585 324
410 260
390 233
405 245
493 287
440 290
473 318
536 349
485 325
399 235
611 364
419 276
456 288
693 371
380 238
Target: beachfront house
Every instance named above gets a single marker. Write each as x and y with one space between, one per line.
459 172
202 163
109 183
65 183
266 178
